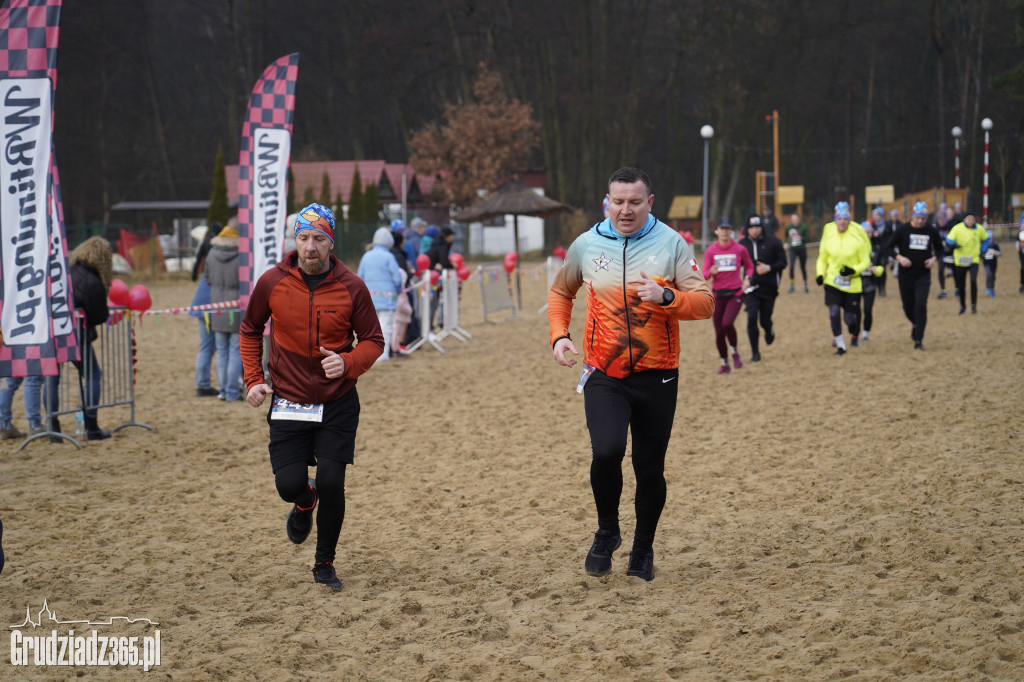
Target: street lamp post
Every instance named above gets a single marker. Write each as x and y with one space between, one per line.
957 132
707 132
986 125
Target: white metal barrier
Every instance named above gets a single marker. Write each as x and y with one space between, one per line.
423 305
450 294
115 354
496 289
551 266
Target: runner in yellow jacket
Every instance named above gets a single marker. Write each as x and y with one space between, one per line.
969 240
843 254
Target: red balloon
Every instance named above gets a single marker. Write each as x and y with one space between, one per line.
435 276
688 236
118 293
512 255
457 260
138 298
510 263
559 251
422 263
464 272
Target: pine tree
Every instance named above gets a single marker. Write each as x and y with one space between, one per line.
292 208
218 210
307 196
372 205
325 191
355 199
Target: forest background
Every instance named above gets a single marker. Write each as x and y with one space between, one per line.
867 92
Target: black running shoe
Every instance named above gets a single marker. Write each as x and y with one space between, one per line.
300 521
840 351
755 357
324 574
641 564
769 336
599 558
918 345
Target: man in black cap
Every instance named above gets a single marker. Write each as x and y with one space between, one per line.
769 261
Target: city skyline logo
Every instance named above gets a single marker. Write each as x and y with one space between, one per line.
53 619
63 647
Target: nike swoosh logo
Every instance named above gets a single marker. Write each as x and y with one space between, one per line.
665 381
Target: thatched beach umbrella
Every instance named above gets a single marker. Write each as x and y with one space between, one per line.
515 199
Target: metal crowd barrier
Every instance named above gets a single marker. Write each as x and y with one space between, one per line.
450 291
551 266
423 303
114 349
496 289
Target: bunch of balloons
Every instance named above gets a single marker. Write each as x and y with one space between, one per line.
460 266
137 298
559 252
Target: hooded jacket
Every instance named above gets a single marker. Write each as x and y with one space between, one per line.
622 334
379 270
333 315
768 250
222 274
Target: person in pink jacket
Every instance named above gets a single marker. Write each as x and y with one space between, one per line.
723 262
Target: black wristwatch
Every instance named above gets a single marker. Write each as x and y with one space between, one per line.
667 297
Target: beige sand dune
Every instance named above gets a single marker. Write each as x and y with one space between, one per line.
827 517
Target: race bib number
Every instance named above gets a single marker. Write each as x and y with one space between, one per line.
919 242
287 410
794 238
990 255
726 262
966 260
842 282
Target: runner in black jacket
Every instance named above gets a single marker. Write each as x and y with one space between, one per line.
769 261
918 249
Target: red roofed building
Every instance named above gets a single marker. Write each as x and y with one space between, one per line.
387 177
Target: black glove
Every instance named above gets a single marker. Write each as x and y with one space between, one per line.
820 280
846 271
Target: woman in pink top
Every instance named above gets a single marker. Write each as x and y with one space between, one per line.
722 263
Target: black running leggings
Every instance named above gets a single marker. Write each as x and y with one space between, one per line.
292 482
960 277
794 256
644 404
868 307
914 295
758 307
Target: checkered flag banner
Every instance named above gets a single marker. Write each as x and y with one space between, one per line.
263 172
35 284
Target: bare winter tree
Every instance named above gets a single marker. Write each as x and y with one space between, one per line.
478 143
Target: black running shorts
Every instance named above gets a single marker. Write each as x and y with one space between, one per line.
333 439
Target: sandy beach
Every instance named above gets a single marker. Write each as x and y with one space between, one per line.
858 517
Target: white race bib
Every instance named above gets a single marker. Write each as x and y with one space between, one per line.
966 260
726 262
286 409
842 282
918 242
